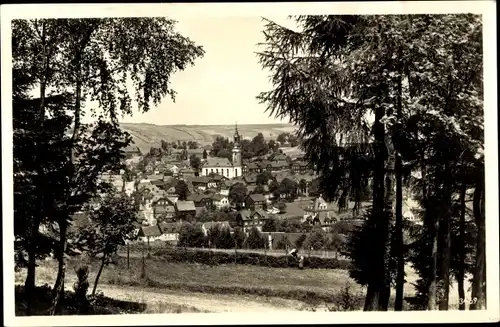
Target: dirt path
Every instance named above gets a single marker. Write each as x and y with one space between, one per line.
156 300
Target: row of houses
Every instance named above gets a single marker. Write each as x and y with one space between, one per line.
170 233
280 163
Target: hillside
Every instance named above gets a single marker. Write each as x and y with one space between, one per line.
148 135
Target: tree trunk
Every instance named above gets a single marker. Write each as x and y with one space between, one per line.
461 249
432 294
103 261
445 248
430 227
58 295
444 259
59 285
388 214
399 246
385 295
372 299
478 300
379 278
29 284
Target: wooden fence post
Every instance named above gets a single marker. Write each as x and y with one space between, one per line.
128 255
235 251
148 247
143 270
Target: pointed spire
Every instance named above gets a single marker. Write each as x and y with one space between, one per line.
236 136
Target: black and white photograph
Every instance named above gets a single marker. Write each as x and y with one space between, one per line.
306 165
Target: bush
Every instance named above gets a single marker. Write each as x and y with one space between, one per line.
99 305
256 259
348 301
300 241
81 287
255 239
191 236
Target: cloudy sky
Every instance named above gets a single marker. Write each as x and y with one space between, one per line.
222 86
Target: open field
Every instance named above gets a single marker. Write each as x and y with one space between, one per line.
169 287
203 288
147 135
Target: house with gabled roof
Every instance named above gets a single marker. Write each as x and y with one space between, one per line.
253 168
250 179
304 167
220 201
164 210
149 233
256 202
170 231
201 199
224 188
215 180
319 212
247 219
200 182
278 157
185 208
184 172
158 183
171 194
279 166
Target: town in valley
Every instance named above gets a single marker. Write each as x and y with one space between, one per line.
317 163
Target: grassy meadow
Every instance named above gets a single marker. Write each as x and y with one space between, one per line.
168 287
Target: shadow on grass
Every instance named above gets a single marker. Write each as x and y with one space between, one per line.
101 305
308 297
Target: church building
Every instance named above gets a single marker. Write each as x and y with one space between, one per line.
222 166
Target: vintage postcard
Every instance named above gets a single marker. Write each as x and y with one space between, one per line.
226 163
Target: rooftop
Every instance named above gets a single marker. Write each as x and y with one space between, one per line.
169 227
262 213
218 162
200 180
185 206
218 197
257 197
195 151
252 165
164 208
149 231
244 214
250 178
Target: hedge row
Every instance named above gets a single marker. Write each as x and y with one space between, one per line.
221 258
139 246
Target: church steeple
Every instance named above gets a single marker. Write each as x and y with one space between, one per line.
237 151
237 137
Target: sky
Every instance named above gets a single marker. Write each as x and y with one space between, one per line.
221 87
